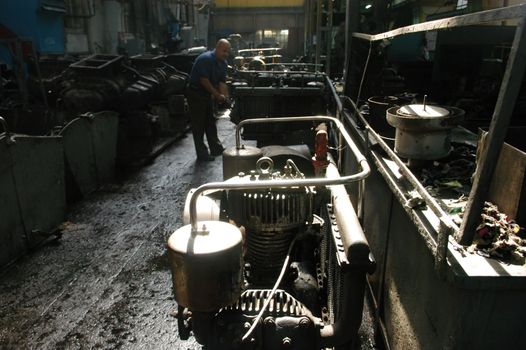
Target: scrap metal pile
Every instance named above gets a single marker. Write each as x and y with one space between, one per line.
452 174
499 237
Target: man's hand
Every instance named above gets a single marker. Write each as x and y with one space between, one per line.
220 98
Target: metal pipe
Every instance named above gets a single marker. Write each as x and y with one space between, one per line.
318 31
248 184
295 72
352 23
346 327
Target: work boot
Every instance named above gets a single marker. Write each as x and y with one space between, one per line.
217 152
205 158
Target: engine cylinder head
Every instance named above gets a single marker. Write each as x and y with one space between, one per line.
271 219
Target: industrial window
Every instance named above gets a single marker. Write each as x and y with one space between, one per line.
462 4
272 38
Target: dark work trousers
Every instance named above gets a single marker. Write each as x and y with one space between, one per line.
203 122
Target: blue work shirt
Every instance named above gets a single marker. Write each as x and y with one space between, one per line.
206 65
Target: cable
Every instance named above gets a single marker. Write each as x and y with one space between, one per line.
271 295
364 71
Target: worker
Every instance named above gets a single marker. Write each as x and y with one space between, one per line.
207 84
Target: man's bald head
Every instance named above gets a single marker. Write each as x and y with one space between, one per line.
222 49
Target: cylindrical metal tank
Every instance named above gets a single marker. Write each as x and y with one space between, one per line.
423 132
240 160
378 105
206 266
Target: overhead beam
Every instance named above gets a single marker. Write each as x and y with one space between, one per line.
500 14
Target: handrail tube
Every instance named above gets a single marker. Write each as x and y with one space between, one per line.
248 184
298 72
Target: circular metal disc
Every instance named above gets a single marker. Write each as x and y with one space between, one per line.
423 111
213 237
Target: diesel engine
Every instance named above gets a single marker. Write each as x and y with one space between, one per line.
271 258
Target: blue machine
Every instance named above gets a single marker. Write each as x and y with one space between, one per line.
41 21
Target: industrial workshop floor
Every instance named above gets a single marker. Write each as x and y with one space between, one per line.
106 282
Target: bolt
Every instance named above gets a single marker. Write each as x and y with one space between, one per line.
304 322
269 321
241 174
287 342
246 325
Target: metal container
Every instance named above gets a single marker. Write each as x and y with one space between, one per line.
240 160
423 132
206 265
378 105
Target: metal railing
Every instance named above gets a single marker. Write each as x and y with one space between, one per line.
248 184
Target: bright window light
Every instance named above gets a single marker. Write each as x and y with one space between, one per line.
462 4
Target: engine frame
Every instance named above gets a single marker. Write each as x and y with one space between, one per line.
342 257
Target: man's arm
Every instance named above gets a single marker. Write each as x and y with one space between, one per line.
211 89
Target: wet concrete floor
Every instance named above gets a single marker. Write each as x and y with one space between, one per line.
106 284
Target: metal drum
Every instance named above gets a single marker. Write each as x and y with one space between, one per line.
378 105
206 266
423 132
240 160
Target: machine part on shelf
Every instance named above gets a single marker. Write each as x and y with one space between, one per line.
240 159
206 265
423 132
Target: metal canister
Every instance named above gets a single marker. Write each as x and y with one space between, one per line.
378 105
207 266
243 159
423 132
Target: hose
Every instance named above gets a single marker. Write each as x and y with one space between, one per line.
271 295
